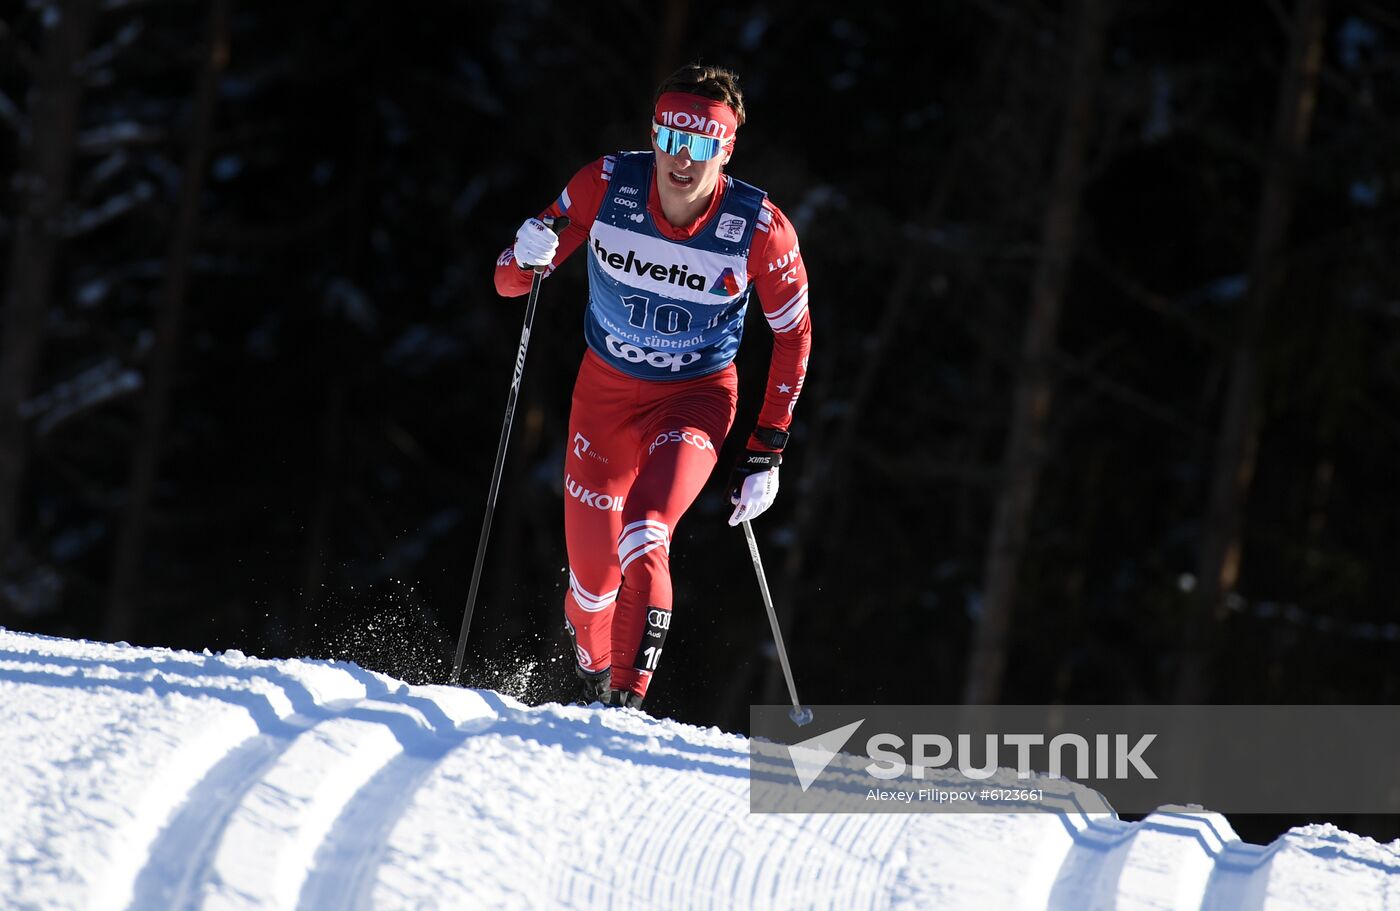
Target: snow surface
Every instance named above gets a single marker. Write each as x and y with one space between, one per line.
157 779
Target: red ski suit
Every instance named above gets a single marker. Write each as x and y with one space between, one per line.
639 451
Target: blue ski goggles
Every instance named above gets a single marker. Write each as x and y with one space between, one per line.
701 148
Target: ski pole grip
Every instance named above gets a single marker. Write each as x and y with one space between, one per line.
557 225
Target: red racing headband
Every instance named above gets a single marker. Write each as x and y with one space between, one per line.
695 114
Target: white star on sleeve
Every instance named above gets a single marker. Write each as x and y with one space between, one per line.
784 387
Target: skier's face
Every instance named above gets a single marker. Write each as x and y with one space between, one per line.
681 180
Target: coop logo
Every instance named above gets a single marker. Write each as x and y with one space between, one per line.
695 123
605 502
699 441
658 359
625 203
669 273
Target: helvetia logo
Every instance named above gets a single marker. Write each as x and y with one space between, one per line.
726 285
672 273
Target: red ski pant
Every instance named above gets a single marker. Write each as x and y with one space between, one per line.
639 451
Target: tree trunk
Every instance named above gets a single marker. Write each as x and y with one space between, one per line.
42 181
145 458
1218 560
1026 445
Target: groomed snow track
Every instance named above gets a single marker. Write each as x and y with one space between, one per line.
136 778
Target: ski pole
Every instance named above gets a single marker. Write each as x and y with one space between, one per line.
799 714
557 225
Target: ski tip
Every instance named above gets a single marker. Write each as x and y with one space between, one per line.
800 715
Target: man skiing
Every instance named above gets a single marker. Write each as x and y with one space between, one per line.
674 246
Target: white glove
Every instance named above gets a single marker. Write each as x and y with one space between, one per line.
535 244
753 485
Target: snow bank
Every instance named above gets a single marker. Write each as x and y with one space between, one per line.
148 778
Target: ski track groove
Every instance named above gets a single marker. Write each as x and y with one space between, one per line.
191 836
369 785
343 797
188 845
344 869
191 839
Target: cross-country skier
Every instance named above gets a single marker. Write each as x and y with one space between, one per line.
674 247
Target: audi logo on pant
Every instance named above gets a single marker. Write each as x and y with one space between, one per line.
659 619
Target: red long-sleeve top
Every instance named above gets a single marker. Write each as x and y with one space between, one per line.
775 267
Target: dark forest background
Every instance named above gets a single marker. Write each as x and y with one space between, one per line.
1103 394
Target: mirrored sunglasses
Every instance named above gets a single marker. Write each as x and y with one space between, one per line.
701 148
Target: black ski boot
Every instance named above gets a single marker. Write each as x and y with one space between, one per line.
597 687
624 699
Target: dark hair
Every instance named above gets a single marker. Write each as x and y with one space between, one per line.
713 82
